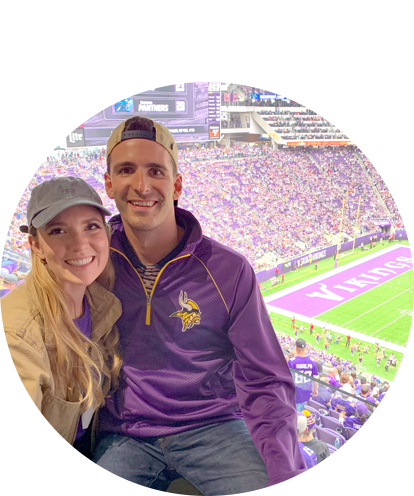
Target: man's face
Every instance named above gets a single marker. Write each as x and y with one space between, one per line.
143 185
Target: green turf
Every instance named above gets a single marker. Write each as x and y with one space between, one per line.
283 324
308 271
390 320
384 312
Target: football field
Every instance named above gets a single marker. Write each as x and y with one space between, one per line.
370 298
385 312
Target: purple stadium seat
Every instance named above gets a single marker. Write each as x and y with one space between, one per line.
354 436
333 424
388 451
318 406
334 414
329 436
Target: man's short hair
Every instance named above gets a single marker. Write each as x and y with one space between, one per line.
373 440
396 386
365 389
139 123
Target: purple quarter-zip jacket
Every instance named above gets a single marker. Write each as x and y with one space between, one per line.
200 349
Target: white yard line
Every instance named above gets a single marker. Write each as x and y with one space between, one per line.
400 317
338 329
377 306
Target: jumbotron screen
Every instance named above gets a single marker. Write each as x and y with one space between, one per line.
191 111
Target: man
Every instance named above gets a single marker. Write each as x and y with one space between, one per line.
201 358
332 377
391 401
365 466
348 341
365 393
324 393
341 402
308 454
359 422
394 435
305 388
318 447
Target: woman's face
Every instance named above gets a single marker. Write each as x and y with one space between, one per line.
75 246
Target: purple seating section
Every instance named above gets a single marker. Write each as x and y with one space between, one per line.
258 200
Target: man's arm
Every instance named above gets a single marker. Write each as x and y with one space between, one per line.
264 384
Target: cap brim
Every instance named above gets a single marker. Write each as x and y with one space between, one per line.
51 212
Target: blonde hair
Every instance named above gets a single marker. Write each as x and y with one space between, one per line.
73 369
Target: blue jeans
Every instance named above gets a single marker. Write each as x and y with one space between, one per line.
216 459
300 406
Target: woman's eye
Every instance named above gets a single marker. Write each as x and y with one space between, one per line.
56 230
92 227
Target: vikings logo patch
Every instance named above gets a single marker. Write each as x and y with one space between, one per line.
189 313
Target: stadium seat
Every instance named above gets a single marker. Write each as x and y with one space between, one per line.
388 451
318 406
334 414
329 436
333 424
354 436
331 448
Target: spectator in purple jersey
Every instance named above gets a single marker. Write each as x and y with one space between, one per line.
324 393
305 388
357 420
363 381
342 402
365 393
395 436
320 448
326 482
391 401
332 377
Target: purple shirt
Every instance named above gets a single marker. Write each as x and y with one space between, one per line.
308 455
303 385
200 349
333 382
391 401
362 428
397 438
341 405
85 327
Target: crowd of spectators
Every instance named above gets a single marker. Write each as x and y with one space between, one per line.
390 174
393 126
333 399
256 200
302 126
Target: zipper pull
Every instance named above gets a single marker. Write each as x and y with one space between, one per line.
147 318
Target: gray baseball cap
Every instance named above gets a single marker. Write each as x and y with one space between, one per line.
52 197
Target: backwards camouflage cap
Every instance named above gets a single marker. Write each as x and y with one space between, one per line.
160 134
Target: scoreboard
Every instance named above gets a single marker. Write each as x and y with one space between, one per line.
15 101
170 101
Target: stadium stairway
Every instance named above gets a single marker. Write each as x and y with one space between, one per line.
373 186
411 172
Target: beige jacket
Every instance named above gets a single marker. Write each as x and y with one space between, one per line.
37 424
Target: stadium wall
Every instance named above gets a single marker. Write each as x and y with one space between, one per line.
321 254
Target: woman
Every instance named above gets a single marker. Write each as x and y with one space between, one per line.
355 421
59 323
